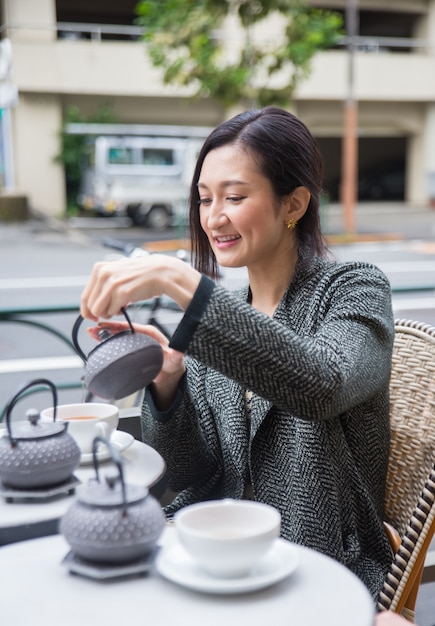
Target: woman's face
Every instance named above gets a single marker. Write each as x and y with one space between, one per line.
239 211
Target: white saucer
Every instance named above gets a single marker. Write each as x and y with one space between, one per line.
119 439
174 563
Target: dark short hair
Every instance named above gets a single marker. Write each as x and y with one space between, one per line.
286 154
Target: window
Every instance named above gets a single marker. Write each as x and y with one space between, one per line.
155 156
121 156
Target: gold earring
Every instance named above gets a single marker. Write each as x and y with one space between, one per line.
291 224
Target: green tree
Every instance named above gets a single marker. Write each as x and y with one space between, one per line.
72 147
185 39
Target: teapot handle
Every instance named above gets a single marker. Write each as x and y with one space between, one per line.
116 458
75 331
12 402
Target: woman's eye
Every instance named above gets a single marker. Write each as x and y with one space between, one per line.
230 199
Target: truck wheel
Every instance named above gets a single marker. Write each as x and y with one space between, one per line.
158 218
136 214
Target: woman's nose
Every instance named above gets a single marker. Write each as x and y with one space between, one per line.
216 215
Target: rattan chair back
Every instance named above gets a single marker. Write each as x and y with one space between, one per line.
412 418
400 588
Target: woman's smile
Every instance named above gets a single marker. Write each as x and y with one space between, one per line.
226 241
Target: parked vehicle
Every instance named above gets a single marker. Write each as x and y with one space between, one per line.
143 172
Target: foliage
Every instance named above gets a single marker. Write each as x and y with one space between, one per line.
71 148
183 38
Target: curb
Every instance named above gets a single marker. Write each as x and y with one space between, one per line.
349 238
167 245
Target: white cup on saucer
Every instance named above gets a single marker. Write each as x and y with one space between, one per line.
86 421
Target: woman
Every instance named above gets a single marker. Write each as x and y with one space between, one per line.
278 392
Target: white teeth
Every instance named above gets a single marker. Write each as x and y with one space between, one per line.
227 238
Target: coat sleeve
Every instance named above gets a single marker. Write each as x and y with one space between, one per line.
322 354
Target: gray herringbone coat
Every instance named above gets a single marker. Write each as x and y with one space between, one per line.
317 444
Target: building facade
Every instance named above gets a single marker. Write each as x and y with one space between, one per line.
88 53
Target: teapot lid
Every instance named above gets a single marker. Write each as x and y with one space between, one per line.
32 428
111 493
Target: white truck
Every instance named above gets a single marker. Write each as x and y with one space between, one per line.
141 171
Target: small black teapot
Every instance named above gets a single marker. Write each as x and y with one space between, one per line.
112 522
33 453
121 364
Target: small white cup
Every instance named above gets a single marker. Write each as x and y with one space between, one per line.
86 421
227 537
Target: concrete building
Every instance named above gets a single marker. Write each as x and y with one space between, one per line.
88 53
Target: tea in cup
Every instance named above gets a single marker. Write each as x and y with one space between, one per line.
86 421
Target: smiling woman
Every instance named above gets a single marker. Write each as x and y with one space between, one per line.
277 392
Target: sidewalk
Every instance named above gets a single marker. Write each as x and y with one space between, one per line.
378 222
373 222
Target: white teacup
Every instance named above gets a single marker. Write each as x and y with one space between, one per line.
86 421
227 537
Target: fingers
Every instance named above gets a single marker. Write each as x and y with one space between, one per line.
117 327
113 327
389 618
153 332
95 298
111 287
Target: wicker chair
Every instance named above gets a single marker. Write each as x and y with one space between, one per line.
410 493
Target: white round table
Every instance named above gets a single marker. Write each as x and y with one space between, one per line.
22 519
37 588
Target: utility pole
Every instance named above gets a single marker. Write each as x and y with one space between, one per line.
349 166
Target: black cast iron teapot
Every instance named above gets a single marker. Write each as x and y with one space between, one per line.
35 454
111 521
121 364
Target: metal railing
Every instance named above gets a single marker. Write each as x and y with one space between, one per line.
79 30
96 32
20 316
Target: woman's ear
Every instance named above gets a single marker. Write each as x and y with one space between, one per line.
296 203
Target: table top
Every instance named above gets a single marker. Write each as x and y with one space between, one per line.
318 591
142 465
